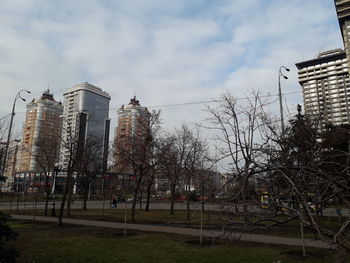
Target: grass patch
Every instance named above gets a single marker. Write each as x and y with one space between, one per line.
291 229
81 244
18 225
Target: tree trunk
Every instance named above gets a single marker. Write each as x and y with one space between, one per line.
188 208
141 195
244 201
302 236
64 197
102 192
172 198
201 230
86 196
12 196
148 199
136 191
35 206
149 187
47 192
89 193
17 204
47 202
24 201
70 195
125 222
202 193
188 193
69 199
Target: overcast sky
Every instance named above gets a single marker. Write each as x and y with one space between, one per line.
164 51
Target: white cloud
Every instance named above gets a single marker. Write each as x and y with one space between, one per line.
164 51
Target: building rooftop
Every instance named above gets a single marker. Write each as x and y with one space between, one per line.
134 101
47 95
89 87
323 57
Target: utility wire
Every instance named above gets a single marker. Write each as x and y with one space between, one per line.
213 101
195 102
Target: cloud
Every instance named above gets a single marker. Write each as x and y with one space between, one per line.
165 52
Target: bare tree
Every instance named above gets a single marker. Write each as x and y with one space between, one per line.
135 153
301 172
170 165
149 182
90 163
180 159
195 150
71 145
240 139
46 156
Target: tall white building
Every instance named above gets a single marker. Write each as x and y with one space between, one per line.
85 115
326 89
343 13
325 79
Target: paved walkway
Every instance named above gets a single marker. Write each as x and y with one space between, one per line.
267 239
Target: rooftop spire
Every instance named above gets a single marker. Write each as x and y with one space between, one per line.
47 95
134 101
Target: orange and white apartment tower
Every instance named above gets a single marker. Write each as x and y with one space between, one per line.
42 124
133 122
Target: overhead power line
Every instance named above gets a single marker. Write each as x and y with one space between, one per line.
214 101
198 102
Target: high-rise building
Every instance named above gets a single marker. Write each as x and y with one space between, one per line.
343 12
133 122
325 79
326 90
42 125
85 117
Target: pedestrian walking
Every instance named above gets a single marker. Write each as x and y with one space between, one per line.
114 203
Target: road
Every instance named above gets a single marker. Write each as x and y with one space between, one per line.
105 204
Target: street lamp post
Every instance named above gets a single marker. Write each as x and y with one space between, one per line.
56 170
18 96
280 73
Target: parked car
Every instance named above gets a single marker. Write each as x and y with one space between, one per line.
156 197
120 199
132 198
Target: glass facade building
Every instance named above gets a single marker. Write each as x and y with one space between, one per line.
85 117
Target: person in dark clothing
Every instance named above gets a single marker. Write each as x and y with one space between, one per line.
114 203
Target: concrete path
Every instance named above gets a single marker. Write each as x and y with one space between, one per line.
267 239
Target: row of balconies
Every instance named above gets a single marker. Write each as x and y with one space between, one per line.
338 65
317 75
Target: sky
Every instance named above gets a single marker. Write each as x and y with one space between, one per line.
164 52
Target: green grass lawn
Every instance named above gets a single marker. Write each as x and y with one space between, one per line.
291 229
117 215
43 242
